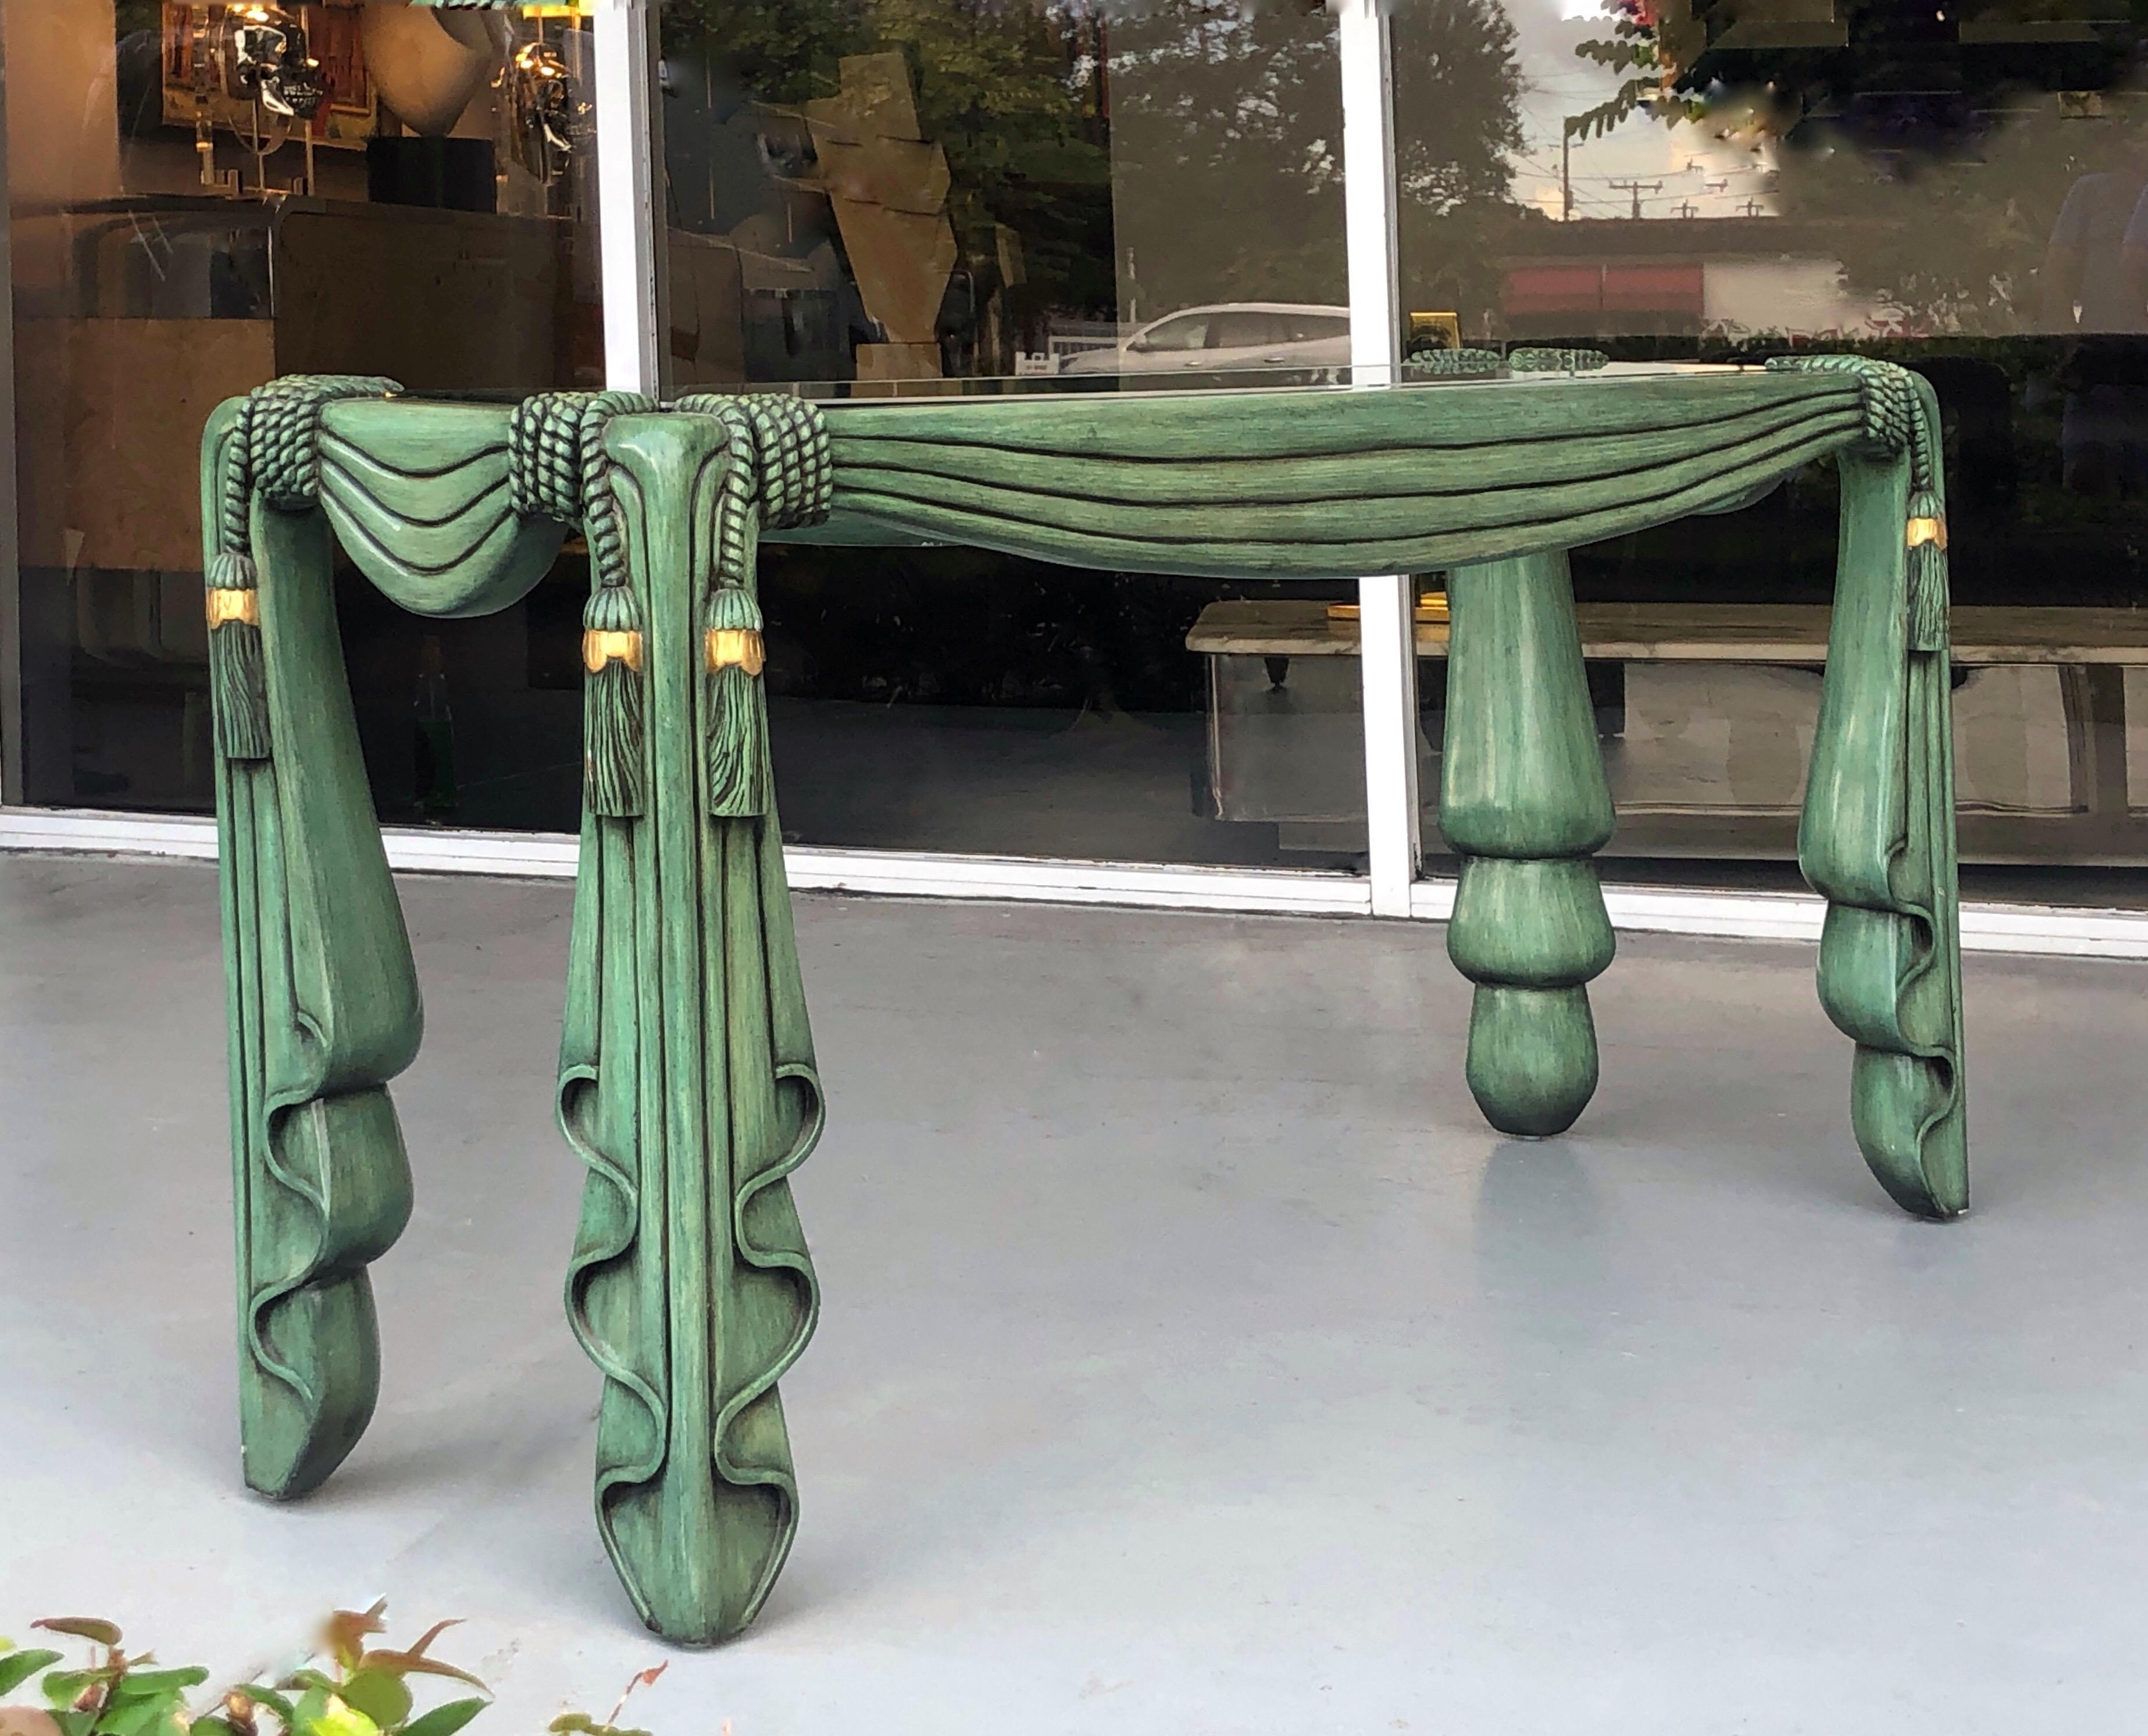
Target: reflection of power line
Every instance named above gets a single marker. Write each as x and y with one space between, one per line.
1637 188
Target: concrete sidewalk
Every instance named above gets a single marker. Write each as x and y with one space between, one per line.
1194 1359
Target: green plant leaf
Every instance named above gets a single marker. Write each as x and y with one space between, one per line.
17 1667
313 1680
445 1720
275 1702
311 1705
379 1694
63 1686
161 1681
337 1717
573 1724
138 1715
74 1724
212 1724
82 1627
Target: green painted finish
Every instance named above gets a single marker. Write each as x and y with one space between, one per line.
1523 802
1532 1059
1537 924
1878 839
434 525
324 1011
686 1081
1282 485
687 1085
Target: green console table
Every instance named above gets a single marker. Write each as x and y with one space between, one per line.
686 1078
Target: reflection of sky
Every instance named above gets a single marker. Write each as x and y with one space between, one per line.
1702 176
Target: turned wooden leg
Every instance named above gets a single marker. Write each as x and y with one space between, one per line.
1523 802
687 1083
323 1008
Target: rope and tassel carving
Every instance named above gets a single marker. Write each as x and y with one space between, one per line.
1896 421
558 469
274 450
780 475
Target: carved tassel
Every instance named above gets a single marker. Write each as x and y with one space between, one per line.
237 673
732 656
611 703
1927 539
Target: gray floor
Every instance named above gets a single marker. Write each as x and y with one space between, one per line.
1194 1359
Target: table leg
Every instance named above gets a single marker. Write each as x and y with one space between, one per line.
1878 840
1523 802
323 1006
687 1086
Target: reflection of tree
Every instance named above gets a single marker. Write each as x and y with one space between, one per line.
1227 150
1954 243
1010 92
1931 169
1457 122
1234 119
1224 136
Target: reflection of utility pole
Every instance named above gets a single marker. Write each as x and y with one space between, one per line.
1566 174
1685 208
1751 207
1637 188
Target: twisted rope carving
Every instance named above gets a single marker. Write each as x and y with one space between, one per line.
1893 415
1438 363
1897 419
557 468
274 450
1875 1007
780 472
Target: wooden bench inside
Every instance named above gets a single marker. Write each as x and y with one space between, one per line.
2089 648
1697 633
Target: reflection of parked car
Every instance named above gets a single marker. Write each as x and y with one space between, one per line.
1235 336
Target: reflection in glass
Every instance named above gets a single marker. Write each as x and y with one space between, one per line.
877 197
204 196
1957 188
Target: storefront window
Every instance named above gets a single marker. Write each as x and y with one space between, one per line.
203 197
876 198
1957 189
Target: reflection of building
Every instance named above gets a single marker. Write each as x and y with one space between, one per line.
1734 277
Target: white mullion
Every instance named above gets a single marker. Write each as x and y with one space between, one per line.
1387 642
626 202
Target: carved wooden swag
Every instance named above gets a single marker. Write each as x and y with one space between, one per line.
686 1081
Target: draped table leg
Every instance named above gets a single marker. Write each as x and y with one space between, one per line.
321 998
1524 803
1877 835
687 1083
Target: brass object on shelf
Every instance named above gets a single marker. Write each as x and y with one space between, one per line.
599 649
1430 611
233 605
1435 331
722 647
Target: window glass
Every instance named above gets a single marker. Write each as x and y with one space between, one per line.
925 197
1960 190
1188 331
203 197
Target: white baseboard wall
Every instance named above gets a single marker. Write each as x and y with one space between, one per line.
2018 928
